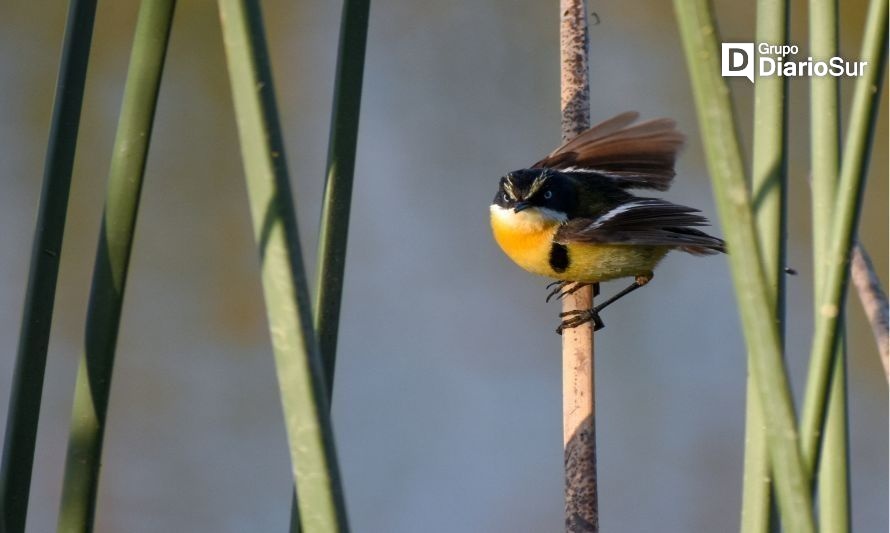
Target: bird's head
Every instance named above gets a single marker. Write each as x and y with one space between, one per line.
535 193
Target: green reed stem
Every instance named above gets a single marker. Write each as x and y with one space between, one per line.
854 163
768 187
30 366
833 473
299 366
700 41
338 186
824 128
338 189
112 259
825 134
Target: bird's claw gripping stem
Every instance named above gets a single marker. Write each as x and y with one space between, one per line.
573 319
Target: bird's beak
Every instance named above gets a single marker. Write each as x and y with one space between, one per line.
521 206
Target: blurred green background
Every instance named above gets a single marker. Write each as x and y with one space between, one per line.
447 404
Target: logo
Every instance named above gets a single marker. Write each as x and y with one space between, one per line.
738 59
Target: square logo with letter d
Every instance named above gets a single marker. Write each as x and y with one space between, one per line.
737 59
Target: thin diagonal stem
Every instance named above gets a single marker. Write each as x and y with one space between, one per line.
338 186
338 190
112 260
30 365
854 164
874 302
712 97
304 396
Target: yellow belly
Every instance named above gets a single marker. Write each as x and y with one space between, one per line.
601 262
527 240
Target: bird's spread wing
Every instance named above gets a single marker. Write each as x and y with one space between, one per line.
639 156
644 221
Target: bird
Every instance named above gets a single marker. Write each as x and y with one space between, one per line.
571 217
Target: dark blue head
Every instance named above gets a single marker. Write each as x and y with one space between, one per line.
540 188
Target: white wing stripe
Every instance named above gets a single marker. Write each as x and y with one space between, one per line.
623 208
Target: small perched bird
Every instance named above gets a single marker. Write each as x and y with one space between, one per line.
569 216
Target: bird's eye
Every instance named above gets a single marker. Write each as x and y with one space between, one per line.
548 195
506 198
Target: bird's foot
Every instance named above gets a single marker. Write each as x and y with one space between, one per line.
558 287
573 319
565 288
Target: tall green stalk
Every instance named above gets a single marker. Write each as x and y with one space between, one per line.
338 186
824 127
112 259
30 365
700 42
833 473
299 366
338 190
825 134
768 186
844 221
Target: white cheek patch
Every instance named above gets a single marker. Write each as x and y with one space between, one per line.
531 219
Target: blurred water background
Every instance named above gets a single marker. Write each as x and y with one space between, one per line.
447 400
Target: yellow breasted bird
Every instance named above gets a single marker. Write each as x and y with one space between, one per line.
569 216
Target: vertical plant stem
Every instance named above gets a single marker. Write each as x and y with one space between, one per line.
824 128
30 365
847 203
825 155
768 186
574 44
579 400
299 366
833 473
338 190
699 35
112 259
338 186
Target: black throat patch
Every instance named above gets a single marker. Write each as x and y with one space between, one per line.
559 257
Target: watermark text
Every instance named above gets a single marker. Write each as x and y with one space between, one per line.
738 59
